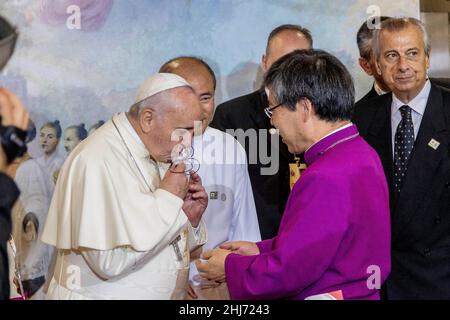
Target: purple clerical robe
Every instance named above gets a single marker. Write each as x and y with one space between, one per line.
335 231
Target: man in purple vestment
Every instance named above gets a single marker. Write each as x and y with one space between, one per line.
335 231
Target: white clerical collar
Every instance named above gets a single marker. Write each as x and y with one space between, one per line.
378 90
418 104
333 132
139 146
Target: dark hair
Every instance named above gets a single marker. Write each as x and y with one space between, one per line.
167 68
55 125
31 131
81 131
290 27
30 216
316 75
97 125
365 33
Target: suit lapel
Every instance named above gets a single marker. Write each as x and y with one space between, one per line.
424 161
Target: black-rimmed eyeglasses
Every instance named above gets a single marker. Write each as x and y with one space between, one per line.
268 111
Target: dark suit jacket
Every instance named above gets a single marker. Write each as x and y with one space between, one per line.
371 94
8 195
270 191
442 82
420 216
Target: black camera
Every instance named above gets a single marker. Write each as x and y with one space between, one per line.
12 139
13 142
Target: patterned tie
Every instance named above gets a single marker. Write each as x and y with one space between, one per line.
404 142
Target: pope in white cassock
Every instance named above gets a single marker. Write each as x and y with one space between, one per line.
231 213
124 217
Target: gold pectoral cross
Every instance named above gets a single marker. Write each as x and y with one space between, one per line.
295 170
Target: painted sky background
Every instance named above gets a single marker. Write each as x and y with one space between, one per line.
81 76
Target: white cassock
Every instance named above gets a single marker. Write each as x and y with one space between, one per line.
50 165
231 213
115 230
33 256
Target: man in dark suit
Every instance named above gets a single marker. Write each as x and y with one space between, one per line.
410 130
270 189
367 59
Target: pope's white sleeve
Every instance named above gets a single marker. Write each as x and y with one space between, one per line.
245 224
197 236
112 263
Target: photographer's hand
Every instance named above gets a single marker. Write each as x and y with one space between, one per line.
12 112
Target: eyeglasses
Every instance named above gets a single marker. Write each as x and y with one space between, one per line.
182 153
268 111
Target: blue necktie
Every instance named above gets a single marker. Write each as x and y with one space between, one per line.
404 142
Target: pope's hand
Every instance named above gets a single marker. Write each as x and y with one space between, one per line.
213 269
196 200
175 181
245 248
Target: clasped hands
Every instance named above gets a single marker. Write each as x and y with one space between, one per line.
211 266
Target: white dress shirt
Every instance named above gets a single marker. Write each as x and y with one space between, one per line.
417 105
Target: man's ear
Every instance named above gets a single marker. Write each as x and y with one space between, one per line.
264 63
377 65
305 109
145 119
365 65
427 59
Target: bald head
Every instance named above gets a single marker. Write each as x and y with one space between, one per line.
284 40
187 64
200 77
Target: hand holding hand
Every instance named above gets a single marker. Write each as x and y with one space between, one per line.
214 268
245 248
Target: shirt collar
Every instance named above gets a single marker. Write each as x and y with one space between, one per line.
418 104
378 90
320 147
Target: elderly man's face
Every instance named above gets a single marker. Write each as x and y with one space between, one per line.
403 62
282 44
176 125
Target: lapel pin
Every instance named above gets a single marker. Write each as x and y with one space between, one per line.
434 144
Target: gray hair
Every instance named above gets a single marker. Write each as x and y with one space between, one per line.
398 24
364 36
